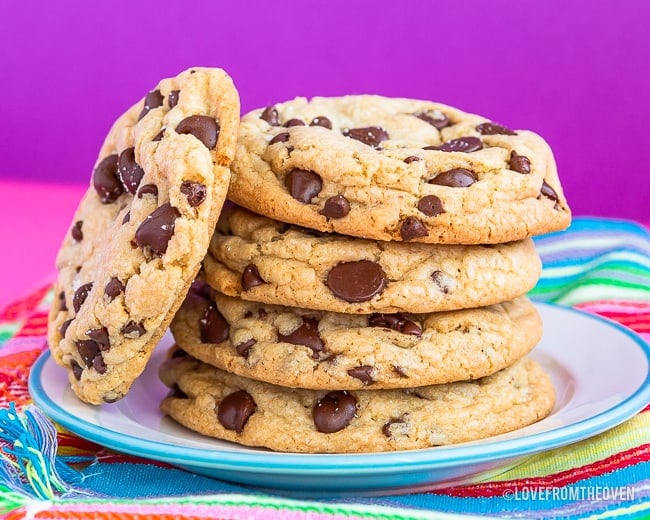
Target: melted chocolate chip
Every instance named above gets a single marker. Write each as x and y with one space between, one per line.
294 122
395 322
282 137
412 228
549 192
435 118
462 144
158 136
270 115
244 348
152 100
64 327
88 350
303 185
412 158
213 326
438 278
76 232
336 207
235 409
321 121
362 373
157 229
386 428
133 330
62 304
455 178
204 128
307 335
106 181
334 412
251 277
100 336
400 371
172 98
148 189
127 217
430 205
493 129
356 282
80 296
195 192
76 370
370 135
129 170
519 163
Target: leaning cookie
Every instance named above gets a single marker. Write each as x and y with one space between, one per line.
314 349
260 259
218 404
141 230
396 169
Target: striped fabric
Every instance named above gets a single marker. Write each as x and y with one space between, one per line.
601 266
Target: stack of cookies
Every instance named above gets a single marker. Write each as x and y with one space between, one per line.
366 292
363 291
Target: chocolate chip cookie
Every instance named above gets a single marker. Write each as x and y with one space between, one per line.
315 349
396 169
141 230
260 259
218 404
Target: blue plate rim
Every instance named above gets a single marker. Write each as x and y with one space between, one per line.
362 463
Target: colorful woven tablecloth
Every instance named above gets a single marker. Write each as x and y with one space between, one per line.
601 266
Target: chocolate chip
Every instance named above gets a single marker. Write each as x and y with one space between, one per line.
80 296
195 192
336 207
204 128
152 100
76 369
294 122
519 163
438 278
334 412
261 313
106 181
129 170
362 373
400 371
235 409
387 427
251 277
213 326
549 192
321 121
159 136
412 158
370 135
303 185
282 137
356 281
430 205
307 335
435 118
412 228
172 98
244 348
462 144
270 115
62 304
100 336
395 322
64 327
133 330
176 392
148 189
99 365
493 129
76 232
127 217
88 350
455 178
157 229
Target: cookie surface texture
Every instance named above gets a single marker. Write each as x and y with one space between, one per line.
315 349
396 169
141 230
222 405
260 259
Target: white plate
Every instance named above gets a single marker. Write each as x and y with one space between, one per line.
600 371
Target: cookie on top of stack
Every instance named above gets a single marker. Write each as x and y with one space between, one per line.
371 296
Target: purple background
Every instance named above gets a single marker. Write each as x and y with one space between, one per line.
576 72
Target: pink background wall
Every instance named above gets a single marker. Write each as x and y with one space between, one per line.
576 72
